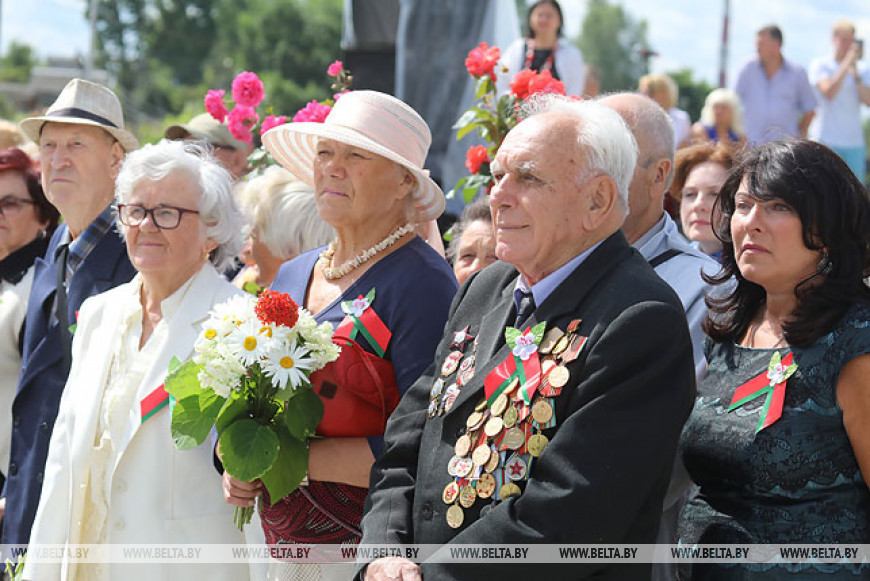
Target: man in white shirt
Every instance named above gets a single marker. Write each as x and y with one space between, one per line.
842 83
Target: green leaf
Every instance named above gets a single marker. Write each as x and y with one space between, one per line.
370 296
511 334
465 119
465 131
174 364
303 412
235 408
189 425
448 235
289 468
468 192
248 449
481 87
538 332
183 382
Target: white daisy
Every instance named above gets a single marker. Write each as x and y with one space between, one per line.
287 364
248 342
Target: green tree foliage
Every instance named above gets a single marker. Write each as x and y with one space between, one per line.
692 92
610 39
164 54
15 67
289 43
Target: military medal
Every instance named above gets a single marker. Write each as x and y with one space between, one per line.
455 517
451 491
452 464
485 485
516 468
536 445
451 363
466 370
462 446
510 416
499 405
481 455
493 426
549 340
464 467
467 496
542 411
460 338
474 421
508 490
558 376
492 462
514 438
449 397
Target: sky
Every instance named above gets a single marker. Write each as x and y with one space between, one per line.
686 33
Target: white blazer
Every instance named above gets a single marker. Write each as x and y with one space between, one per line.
158 494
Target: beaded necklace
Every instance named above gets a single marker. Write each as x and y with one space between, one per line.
334 273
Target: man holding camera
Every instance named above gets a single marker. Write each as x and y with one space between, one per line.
842 83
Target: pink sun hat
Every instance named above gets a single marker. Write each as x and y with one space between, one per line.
372 121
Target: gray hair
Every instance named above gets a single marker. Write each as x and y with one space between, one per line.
284 212
223 220
602 135
723 97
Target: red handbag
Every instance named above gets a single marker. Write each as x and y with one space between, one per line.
358 390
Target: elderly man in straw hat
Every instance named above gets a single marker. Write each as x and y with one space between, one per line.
82 142
563 415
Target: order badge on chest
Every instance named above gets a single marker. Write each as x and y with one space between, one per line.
503 434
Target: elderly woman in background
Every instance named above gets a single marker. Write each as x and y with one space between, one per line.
27 221
472 247
663 90
721 119
377 282
779 442
285 223
113 474
545 49
699 172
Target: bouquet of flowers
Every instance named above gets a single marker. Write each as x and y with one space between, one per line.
493 115
249 379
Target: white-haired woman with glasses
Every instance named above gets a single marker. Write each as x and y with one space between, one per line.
113 474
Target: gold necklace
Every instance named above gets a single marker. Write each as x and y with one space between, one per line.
334 273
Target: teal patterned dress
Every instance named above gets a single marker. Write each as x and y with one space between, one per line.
796 481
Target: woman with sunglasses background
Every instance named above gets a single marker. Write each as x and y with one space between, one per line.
113 474
27 220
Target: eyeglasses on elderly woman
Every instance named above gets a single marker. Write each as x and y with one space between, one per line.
10 205
164 217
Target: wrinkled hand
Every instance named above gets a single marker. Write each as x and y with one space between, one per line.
393 569
239 493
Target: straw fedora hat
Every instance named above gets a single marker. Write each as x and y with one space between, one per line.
84 103
206 128
372 121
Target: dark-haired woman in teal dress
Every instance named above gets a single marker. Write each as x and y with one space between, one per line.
779 440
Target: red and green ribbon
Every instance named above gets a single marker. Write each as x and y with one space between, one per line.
368 324
770 383
513 367
154 402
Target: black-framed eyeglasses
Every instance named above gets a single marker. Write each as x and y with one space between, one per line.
219 146
164 217
10 205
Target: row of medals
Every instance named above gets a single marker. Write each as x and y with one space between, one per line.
501 441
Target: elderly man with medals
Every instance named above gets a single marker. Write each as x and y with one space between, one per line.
553 408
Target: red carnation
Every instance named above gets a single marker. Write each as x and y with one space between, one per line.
277 308
475 158
520 84
482 60
545 83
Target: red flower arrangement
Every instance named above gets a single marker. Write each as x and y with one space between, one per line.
276 308
482 60
493 115
248 93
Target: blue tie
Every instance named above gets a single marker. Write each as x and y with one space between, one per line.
525 303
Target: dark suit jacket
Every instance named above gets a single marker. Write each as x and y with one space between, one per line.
43 372
604 474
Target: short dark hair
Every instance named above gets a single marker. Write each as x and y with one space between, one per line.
478 210
773 31
13 159
552 3
834 210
